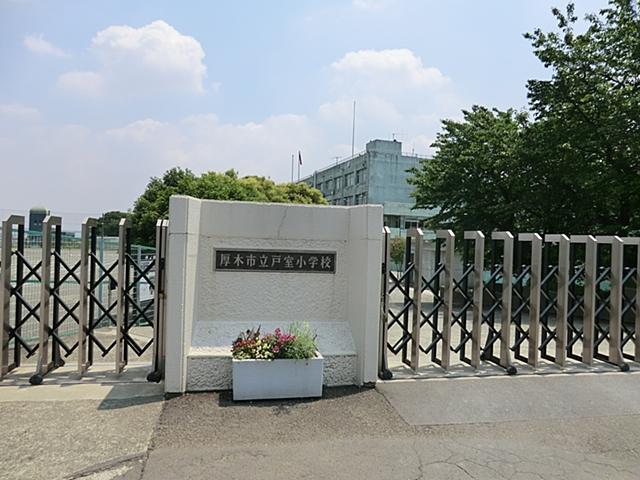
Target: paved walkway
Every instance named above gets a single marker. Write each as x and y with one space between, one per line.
552 427
68 428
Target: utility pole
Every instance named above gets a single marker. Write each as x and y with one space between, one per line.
292 168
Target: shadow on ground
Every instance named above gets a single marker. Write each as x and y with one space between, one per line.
225 398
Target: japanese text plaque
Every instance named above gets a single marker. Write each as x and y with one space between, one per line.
301 261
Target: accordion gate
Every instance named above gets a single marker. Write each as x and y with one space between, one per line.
564 298
82 309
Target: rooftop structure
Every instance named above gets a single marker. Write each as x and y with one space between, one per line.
376 176
37 215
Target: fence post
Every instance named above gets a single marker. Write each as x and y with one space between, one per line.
591 274
478 294
563 300
636 340
417 298
383 371
5 289
589 298
447 307
162 318
44 365
533 356
564 244
157 372
505 299
87 232
122 270
5 292
615 299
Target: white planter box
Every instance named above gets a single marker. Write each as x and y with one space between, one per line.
281 378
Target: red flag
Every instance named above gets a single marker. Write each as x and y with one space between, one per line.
299 158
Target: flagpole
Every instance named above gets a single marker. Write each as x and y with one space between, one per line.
353 130
292 167
298 171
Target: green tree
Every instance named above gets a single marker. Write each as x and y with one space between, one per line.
154 202
109 221
589 111
574 167
475 178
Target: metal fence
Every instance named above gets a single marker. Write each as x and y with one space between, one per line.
69 251
77 298
511 301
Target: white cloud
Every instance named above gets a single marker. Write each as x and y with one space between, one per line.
155 58
374 109
13 111
203 142
371 5
394 68
396 93
85 84
394 88
377 118
72 168
139 130
37 44
109 168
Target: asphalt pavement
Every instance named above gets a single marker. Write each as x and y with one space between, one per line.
556 427
69 428
584 426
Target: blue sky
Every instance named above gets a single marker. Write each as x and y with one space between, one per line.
97 97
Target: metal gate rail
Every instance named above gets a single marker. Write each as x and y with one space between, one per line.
630 316
567 298
608 312
86 311
526 294
400 282
442 301
51 319
467 291
11 331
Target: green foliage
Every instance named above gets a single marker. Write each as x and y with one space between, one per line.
109 221
304 345
397 247
154 202
574 167
589 111
474 179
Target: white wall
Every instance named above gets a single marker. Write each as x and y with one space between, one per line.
207 309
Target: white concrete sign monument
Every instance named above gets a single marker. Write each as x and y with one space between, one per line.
238 265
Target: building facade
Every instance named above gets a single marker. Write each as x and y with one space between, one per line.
376 176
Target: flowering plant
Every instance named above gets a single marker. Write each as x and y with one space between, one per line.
298 342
